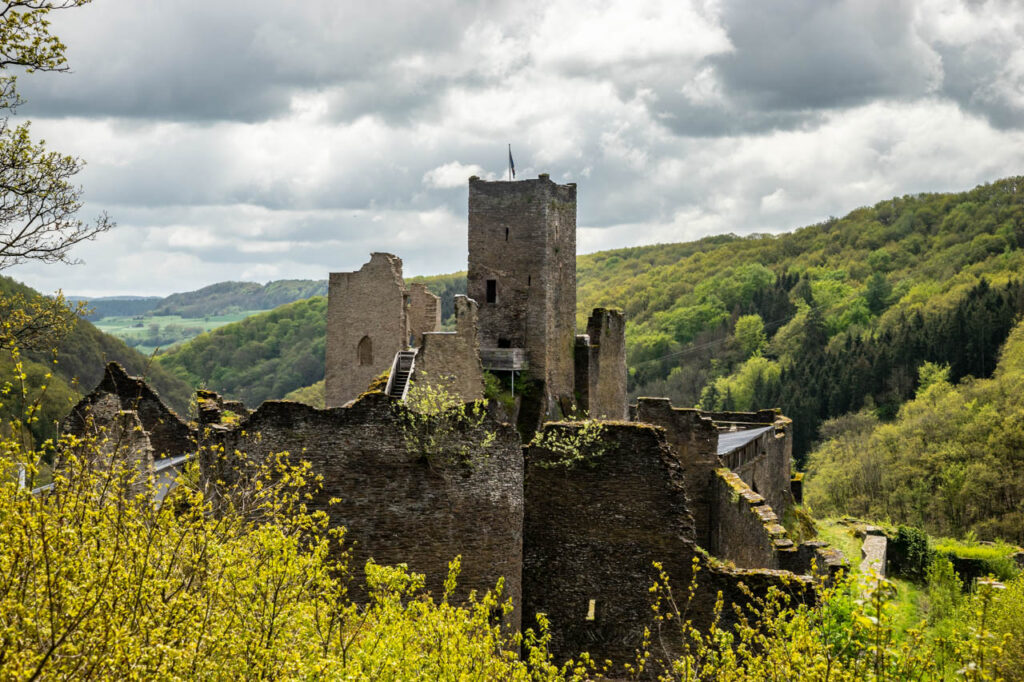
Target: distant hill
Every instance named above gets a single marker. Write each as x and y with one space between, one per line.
118 306
81 359
227 297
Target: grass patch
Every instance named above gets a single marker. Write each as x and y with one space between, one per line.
146 333
842 537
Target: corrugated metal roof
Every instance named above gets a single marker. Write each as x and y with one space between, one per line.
733 440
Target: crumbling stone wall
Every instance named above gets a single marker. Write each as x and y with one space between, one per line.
452 359
522 272
117 391
694 439
765 464
606 375
745 530
398 505
366 326
424 313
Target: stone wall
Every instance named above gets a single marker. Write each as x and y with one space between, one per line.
366 326
522 249
117 391
424 313
452 359
745 530
606 380
694 439
400 506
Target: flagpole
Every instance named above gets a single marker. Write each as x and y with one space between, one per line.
510 162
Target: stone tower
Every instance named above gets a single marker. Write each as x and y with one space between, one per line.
522 272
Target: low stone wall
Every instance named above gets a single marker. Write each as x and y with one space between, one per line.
452 359
745 530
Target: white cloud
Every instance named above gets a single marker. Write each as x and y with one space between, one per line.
453 174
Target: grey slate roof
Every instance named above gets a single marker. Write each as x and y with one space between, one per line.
733 440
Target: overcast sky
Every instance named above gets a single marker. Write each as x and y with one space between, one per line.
268 139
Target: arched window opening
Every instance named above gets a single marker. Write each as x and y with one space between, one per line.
364 351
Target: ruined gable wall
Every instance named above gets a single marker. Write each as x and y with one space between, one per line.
694 440
424 312
591 532
168 435
452 359
368 303
606 381
397 506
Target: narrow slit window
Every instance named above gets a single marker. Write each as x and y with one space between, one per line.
529 278
492 290
506 234
592 610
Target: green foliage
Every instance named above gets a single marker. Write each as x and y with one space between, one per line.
441 427
749 333
945 589
909 552
849 632
262 357
310 395
572 443
950 463
83 352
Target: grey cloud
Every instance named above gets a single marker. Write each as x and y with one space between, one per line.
232 59
814 54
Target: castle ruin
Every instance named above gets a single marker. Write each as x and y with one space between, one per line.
574 540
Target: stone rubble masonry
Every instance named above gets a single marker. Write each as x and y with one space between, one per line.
398 505
213 408
522 237
694 440
606 385
452 359
365 309
745 530
591 532
116 392
424 313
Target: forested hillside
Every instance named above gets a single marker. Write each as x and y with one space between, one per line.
951 462
260 358
81 358
828 318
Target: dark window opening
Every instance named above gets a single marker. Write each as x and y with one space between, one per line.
492 290
528 278
506 234
364 351
504 343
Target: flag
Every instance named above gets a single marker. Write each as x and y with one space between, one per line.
511 163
